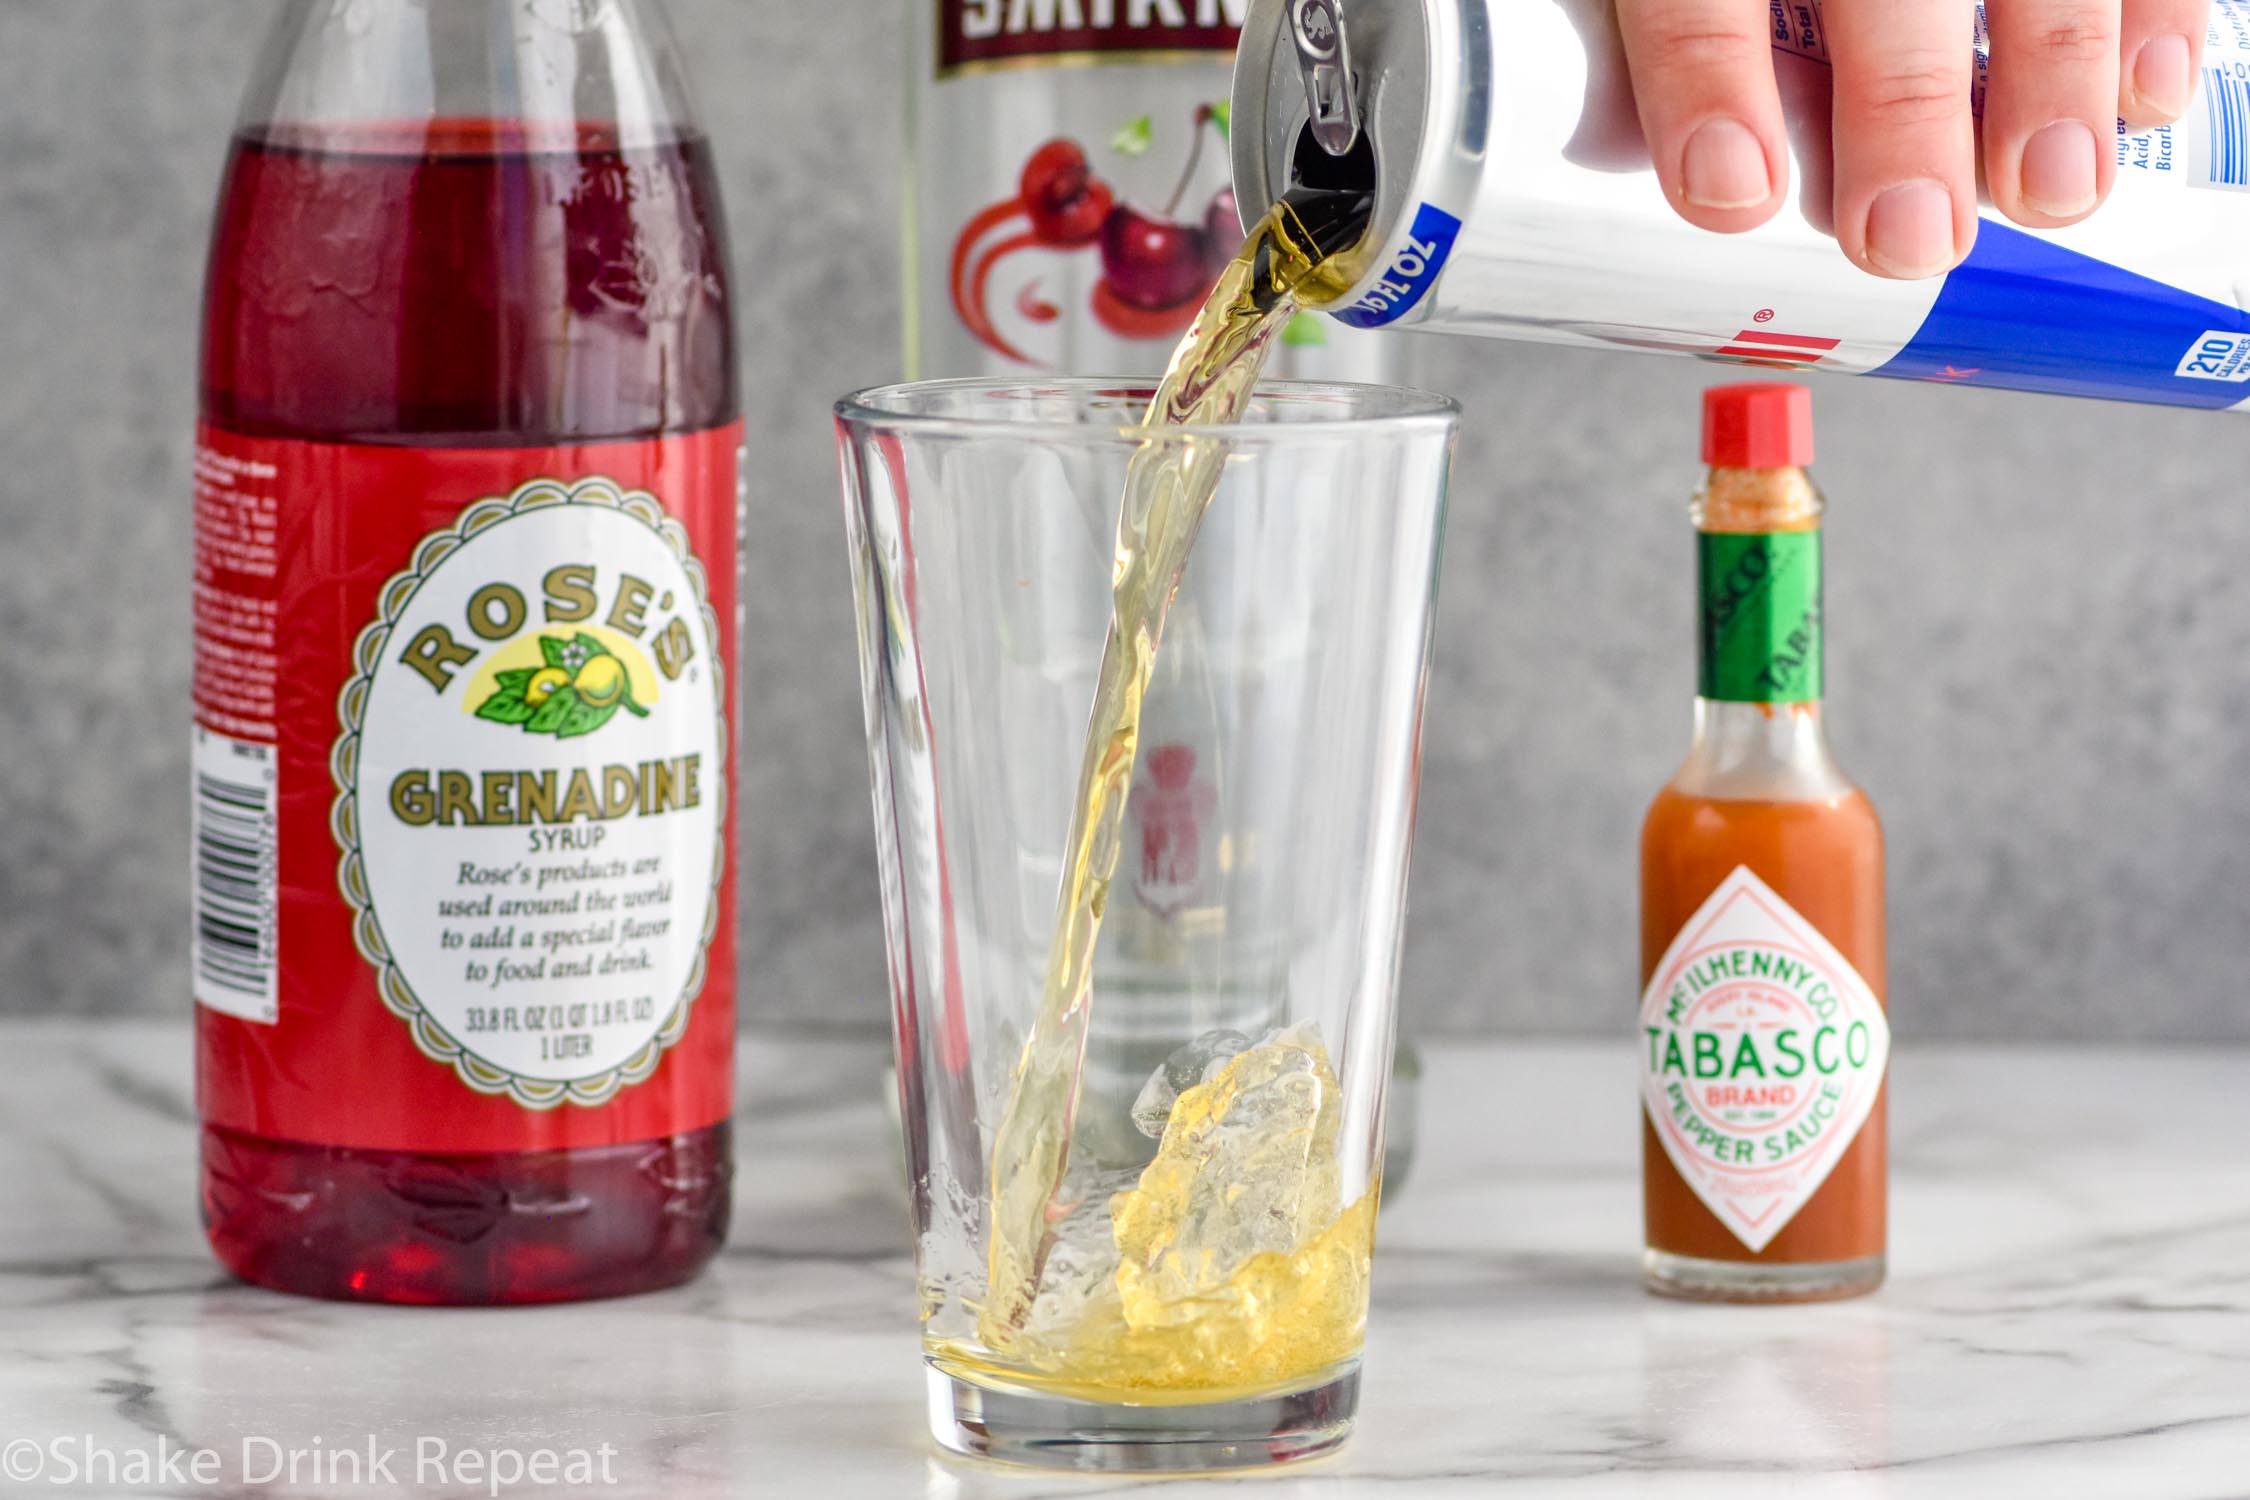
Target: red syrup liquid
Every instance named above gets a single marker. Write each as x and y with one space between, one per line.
464 284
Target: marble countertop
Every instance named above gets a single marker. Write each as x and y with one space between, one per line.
2068 1312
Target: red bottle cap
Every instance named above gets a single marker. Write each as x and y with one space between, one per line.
1762 424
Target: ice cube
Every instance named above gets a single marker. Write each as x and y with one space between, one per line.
1190 1064
1247 1167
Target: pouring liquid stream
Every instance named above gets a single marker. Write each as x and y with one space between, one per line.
1169 485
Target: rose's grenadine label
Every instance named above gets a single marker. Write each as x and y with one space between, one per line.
1763 1051
463 764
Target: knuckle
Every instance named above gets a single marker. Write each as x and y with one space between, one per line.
1683 39
2075 34
1914 91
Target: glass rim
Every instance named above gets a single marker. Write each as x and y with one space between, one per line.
1418 411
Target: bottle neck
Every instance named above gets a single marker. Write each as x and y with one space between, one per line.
1758 724
1758 586
1758 611
1761 751
369 73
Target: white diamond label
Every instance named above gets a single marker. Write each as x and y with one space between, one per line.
1763 1052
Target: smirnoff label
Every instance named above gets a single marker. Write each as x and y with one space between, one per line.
972 32
1171 803
1762 1054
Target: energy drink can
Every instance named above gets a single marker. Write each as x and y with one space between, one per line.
1513 196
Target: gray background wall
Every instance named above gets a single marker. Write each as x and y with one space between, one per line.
2040 655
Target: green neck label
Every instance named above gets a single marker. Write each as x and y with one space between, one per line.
1760 634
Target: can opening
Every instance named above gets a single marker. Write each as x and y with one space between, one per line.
1332 199
1363 200
1312 168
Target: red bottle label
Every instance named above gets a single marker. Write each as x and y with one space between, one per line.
464 790
987 33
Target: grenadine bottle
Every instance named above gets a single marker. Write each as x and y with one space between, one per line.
466 512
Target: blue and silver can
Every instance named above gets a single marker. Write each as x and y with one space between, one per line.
1513 196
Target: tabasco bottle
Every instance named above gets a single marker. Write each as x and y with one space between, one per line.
1763 1038
465 620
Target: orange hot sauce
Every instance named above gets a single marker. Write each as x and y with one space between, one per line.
1764 1042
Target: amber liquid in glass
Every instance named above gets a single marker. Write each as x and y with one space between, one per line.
1259 1333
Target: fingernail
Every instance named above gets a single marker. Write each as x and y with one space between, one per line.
1910 230
2164 74
1725 167
2058 169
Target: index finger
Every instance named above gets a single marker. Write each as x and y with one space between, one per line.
1905 140
1703 80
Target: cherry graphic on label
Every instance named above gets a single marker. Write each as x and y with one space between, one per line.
1064 204
1032 307
1156 267
1152 263
1066 201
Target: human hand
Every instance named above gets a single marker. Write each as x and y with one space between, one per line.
2063 72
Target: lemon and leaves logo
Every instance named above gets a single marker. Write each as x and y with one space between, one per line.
581 688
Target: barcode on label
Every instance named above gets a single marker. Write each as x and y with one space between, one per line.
2227 115
237 865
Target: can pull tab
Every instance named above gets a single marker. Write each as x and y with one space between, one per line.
1326 61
